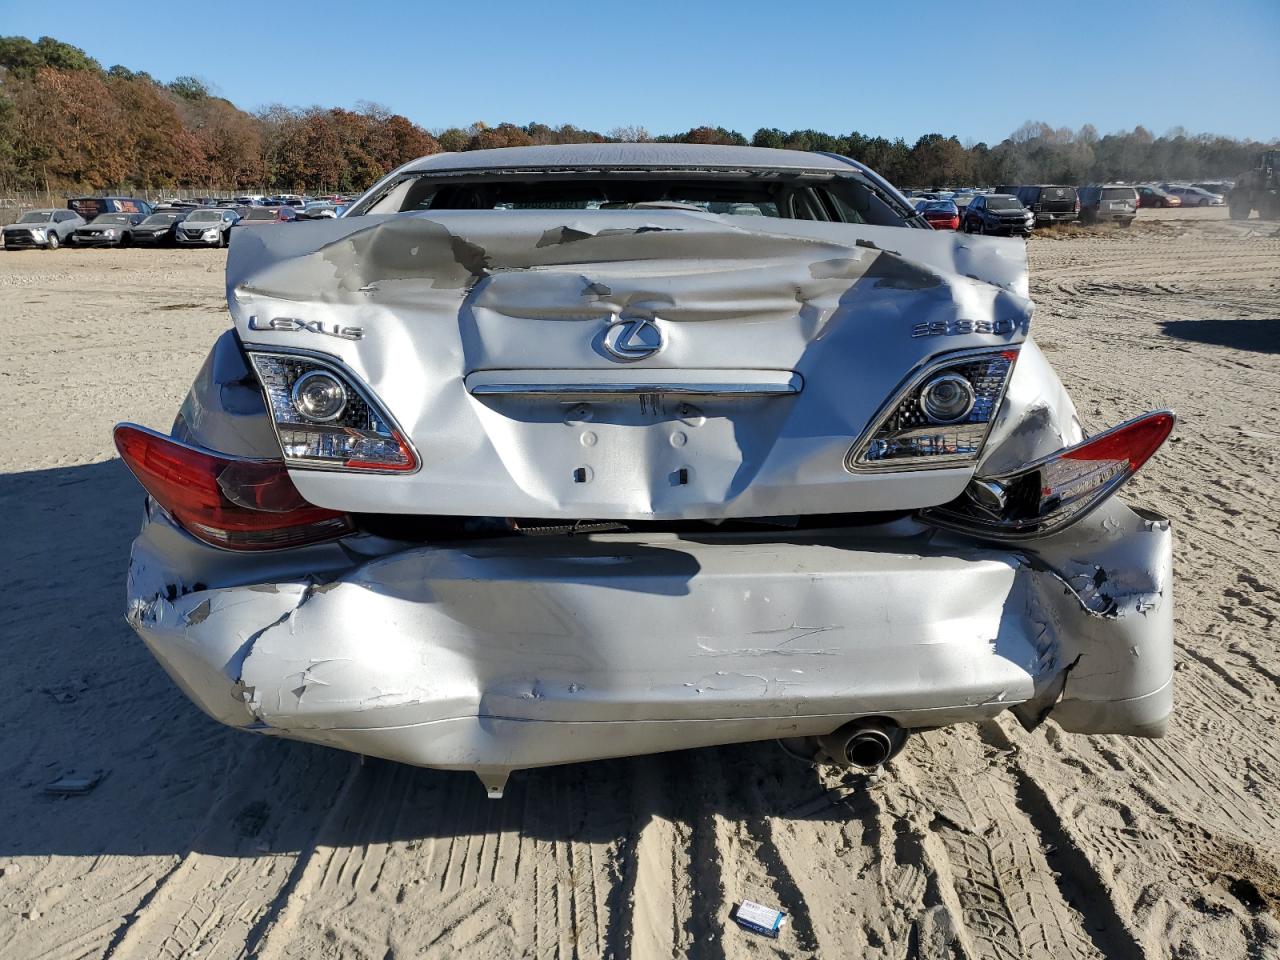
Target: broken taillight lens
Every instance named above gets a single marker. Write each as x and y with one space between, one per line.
1051 494
230 502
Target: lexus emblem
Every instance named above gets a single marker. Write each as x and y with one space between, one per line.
632 338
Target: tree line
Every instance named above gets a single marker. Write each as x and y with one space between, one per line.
66 123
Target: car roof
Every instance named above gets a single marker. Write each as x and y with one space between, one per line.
631 155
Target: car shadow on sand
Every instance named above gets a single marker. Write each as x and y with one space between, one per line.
84 699
1255 335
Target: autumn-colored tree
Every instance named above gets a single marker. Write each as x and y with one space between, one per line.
9 173
161 151
77 126
503 135
322 152
407 141
231 142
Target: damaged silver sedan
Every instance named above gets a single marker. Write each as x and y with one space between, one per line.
551 454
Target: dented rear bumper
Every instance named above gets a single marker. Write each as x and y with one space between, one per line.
493 655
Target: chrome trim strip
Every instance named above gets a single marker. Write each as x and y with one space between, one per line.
631 389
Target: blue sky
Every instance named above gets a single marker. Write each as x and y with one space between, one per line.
976 69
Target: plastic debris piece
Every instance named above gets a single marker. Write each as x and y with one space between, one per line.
72 785
758 918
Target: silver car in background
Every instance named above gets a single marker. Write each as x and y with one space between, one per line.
50 228
550 454
1108 203
319 210
1195 196
207 227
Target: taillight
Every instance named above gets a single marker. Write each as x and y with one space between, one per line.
325 419
941 418
230 502
1051 494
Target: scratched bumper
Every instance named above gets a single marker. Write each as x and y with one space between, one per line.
521 652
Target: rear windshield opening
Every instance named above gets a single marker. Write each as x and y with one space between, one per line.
1119 193
1002 203
844 199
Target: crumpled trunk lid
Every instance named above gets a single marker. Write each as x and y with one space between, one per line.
645 364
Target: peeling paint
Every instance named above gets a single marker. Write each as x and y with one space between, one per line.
199 613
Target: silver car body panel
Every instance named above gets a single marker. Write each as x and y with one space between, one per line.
447 301
519 652
481 333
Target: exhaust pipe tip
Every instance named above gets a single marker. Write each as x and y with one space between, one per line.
868 749
864 744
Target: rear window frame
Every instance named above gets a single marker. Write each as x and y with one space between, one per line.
825 205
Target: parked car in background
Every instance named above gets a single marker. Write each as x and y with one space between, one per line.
1219 187
1149 195
91 207
319 210
518 474
48 228
257 216
107 230
159 229
1108 203
1050 204
941 214
1000 214
208 227
1194 196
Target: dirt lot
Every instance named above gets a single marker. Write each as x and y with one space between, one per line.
981 841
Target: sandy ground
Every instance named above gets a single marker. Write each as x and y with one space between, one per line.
981 841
